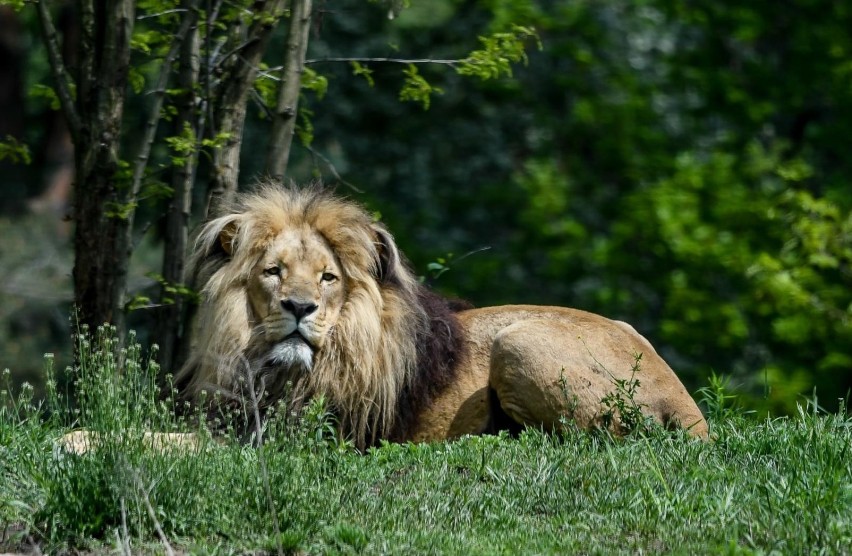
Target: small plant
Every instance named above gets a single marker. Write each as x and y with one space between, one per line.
717 399
442 264
115 386
622 411
572 401
318 427
116 400
349 538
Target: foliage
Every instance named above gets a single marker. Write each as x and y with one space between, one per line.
364 71
720 403
653 163
39 90
681 166
499 51
14 4
416 89
11 149
621 411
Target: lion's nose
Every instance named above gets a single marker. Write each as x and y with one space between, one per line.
299 309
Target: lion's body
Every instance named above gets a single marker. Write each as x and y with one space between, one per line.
542 365
303 295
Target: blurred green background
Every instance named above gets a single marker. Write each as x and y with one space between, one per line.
684 166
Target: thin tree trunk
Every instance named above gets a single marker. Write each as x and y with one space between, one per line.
104 54
11 74
287 107
171 315
230 103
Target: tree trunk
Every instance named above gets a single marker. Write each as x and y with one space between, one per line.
287 107
230 103
170 329
101 225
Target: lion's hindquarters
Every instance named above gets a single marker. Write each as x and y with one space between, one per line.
534 374
545 371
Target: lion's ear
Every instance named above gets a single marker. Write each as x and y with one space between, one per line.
389 258
226 237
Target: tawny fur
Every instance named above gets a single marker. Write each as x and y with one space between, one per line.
399 363
372 353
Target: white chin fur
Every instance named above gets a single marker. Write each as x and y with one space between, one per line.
292 352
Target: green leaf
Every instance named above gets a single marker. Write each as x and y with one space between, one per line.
499 51
305 128
137 302
315 82
416 88
182 145
364 71
136 79
43 91
267 88
16 5
14 151
121 211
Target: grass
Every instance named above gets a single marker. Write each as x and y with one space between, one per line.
765 485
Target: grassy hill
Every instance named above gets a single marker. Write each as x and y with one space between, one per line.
764 485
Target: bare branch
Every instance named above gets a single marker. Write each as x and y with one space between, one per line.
209 56
332 169
174 319
234 51
260 104
166 12
381 60
258 101
57 67
152 515
286 109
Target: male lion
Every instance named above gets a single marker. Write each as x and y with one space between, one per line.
304 295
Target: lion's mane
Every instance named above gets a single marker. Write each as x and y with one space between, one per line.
393 349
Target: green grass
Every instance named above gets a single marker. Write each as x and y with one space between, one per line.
764 485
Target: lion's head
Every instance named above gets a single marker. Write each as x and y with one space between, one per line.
303 294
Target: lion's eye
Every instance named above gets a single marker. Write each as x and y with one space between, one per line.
328 277
272 271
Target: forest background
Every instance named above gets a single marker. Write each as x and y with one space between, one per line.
683 166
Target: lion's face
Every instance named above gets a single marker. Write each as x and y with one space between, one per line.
296 291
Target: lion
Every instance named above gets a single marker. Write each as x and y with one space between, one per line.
304 295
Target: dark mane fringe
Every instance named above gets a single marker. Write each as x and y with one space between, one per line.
438 354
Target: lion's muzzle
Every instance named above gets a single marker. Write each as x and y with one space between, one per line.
293 352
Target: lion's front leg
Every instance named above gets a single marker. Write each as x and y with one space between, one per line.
84 441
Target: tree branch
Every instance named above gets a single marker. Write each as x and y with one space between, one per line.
85 57
332 169
189 20
231 98
159 14
174 319
212 12
316 154
384 60
286 109
57 67
152 514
